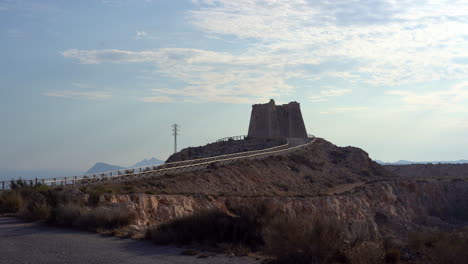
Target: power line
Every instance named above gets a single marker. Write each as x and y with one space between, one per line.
175 133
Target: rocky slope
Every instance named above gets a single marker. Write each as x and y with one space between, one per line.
222 148
309 171
319 180
373 210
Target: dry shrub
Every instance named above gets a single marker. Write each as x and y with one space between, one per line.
10 201
294 240
442 247
211 228
68 215
106 218
36 206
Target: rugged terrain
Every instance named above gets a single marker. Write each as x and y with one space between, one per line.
371 203
311 171
224 147
442 171
319 179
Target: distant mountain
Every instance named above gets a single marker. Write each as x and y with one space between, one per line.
147 162
9 174
407 162
103 167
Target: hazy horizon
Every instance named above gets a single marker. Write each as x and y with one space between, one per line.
103 81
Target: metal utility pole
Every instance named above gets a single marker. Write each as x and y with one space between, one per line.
175 132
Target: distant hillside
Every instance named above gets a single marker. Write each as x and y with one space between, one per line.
429 170
103 167
407 162
147 162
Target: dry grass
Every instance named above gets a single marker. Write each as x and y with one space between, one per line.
211 228
442 247
107 218
62 207
302 240
10 202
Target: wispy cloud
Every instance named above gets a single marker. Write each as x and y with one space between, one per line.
324 94
141 35
109 56
88 95
335 92
381 42
394 41
454 99
340 110
120 3
156 99
210 76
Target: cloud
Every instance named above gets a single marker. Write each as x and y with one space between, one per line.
335 92
378 42
141 34
395 42
340 110
316 99
209 76
120 3
156 99
88 95
454 99
328 93
109 56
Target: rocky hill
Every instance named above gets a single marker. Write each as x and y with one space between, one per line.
320 179
317 169
224 147
442 171
103 167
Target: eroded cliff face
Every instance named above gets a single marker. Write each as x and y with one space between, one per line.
374 210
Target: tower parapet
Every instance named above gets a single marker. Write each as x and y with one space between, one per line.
277 121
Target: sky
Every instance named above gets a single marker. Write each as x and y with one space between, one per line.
104 80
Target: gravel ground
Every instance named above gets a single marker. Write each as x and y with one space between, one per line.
39 243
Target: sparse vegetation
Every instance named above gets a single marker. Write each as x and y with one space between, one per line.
441 247
62 207
211 228
290 240
303 240
10 201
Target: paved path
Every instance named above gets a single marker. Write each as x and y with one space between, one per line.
38 243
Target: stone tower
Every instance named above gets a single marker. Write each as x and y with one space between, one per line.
277 121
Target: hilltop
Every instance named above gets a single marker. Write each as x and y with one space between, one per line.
310 171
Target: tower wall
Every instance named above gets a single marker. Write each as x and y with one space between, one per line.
272 121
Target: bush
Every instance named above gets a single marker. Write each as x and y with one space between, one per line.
210 228
294 240
68 215
106 218
36 206
442 247
35 212
10 201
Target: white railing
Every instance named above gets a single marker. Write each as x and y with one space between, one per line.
242 137
173 167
